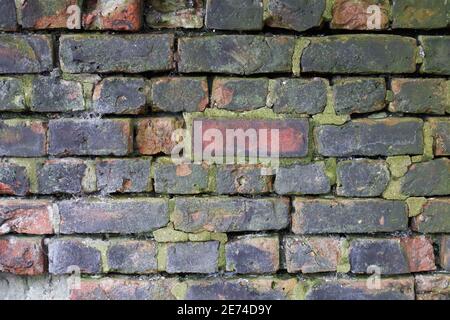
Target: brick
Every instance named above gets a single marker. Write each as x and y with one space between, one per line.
154 135
359 54
101 53
67 255
120 15
179 94
183 178
22 256
444 253
192 257
123 175
8 20
242 179
23 138
14 179
132 256
234 14
419 252
253 255
239 94
302 179
120 95
118 216
400 288
230 214
348 216
432 287
359 95
12 95
433 217
311 254
25 53
175 14
419 14
419 96
298 15
256 134
235 54
48 14
441 135
436 50
371 137
298 95
430 178
26 216
90 137
353 14
362 178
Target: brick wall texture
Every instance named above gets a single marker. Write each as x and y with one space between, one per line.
96 95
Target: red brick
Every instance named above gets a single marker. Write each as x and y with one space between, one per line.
154 135
419 253
22 256
124 15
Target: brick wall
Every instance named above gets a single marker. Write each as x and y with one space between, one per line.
93 93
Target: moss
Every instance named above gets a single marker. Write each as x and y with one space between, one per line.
162 256
330 170
300 45
393 191
328 13
201 236
344 257
179 290
448 96
169 234
428 153
415 206
398 165
303 287
221 237
30 165
329 115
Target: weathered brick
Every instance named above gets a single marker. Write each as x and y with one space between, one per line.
311 254
116 53
430 178
67 255
436 50
253 254
432 287
298 15
154 135
90 137
132 256
419 14
230 214
175 14
298 95
355 14
123 175
441 135
359 95
48 14
180 94
183 178
25 53
23 138
419 252
371 137
22 256
302 179
120 95
444 253
8 19
359 54
124 216
242 179
192 257
433 217
239 94
419 96
235 54
123 15
14 179
234 14
26 216
12 95
348 216
362 178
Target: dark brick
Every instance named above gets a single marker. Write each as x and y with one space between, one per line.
419 14
236 54
441 134
23 138
22 256
132 256
47 14
348 216
355 14
242 179
359 95
123 15
8 19
90 137
61 176
360 54
102 53
369 137
234 14
253 255
436 51
362 178
12 94
445 253
154 135
230 214
175 14
432 286
181 179
193 257
430 178
14 179
124 216
302 179
434 217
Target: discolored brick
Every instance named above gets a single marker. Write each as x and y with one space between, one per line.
242 179
22 256
432 286
441 135
356 14
8 19
193 257
433 217
23 138
14 179
132 256
419 14
436 50
430 178
120 15
154 135
234 14
49 14
175 14
12 94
